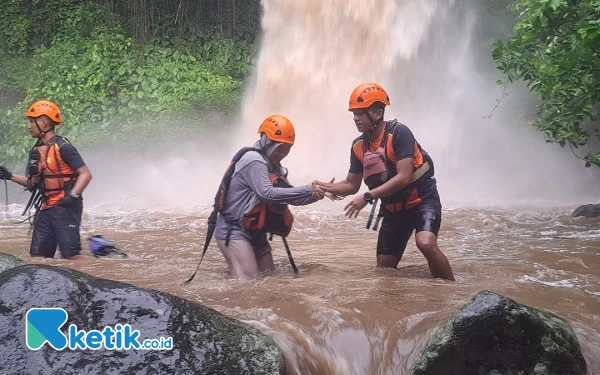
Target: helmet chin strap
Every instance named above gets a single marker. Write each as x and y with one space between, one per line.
42 133
373 122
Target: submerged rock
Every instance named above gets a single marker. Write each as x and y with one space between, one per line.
9 261
203 340
494 335
587 210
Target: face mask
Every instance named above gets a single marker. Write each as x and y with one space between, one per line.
267 145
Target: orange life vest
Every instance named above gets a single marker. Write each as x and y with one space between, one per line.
55 177
274 218
379 166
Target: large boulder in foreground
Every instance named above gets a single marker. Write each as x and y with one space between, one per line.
203 340
494 335
9 261
587 210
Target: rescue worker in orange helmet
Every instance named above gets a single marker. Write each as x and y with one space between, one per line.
254 202
398 172
57 172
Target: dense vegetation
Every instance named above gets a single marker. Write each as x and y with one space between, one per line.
115 66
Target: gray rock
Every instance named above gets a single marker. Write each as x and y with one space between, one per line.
9 261
204 341
587 210
494 335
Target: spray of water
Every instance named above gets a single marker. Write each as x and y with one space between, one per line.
428 55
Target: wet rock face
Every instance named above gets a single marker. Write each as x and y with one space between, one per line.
9 261
587 210
203 340
494 335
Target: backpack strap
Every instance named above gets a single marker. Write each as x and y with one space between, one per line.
389 128
59 141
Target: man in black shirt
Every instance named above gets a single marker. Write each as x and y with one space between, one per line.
59 174
399 172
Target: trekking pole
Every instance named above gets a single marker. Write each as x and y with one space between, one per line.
372 213
289 253
376 226
6 201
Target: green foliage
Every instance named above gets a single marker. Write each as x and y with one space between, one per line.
233 55
15 74
14 33
24 24
109 87
556 50
167 78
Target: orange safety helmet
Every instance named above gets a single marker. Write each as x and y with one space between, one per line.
278 128
366 94
44 107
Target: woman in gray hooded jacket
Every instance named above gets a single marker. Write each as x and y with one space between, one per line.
248 251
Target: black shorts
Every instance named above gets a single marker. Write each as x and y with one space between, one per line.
397 227
57 226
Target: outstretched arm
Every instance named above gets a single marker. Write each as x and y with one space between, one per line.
5 174
18 179
349 186
256 176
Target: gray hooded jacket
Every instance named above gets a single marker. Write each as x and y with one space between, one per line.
250 184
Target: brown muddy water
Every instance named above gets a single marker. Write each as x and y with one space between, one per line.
341 315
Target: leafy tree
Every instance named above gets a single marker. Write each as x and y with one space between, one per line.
555 49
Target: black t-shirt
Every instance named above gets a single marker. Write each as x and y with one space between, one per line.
71 156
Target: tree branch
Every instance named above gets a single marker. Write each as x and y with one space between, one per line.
498 101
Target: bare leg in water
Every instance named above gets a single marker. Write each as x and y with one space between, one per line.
427 244
390 261
265 262
438 263
242 258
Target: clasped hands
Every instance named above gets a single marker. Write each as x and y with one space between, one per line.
325 189
321 190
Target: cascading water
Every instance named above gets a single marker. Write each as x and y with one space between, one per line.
432 57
